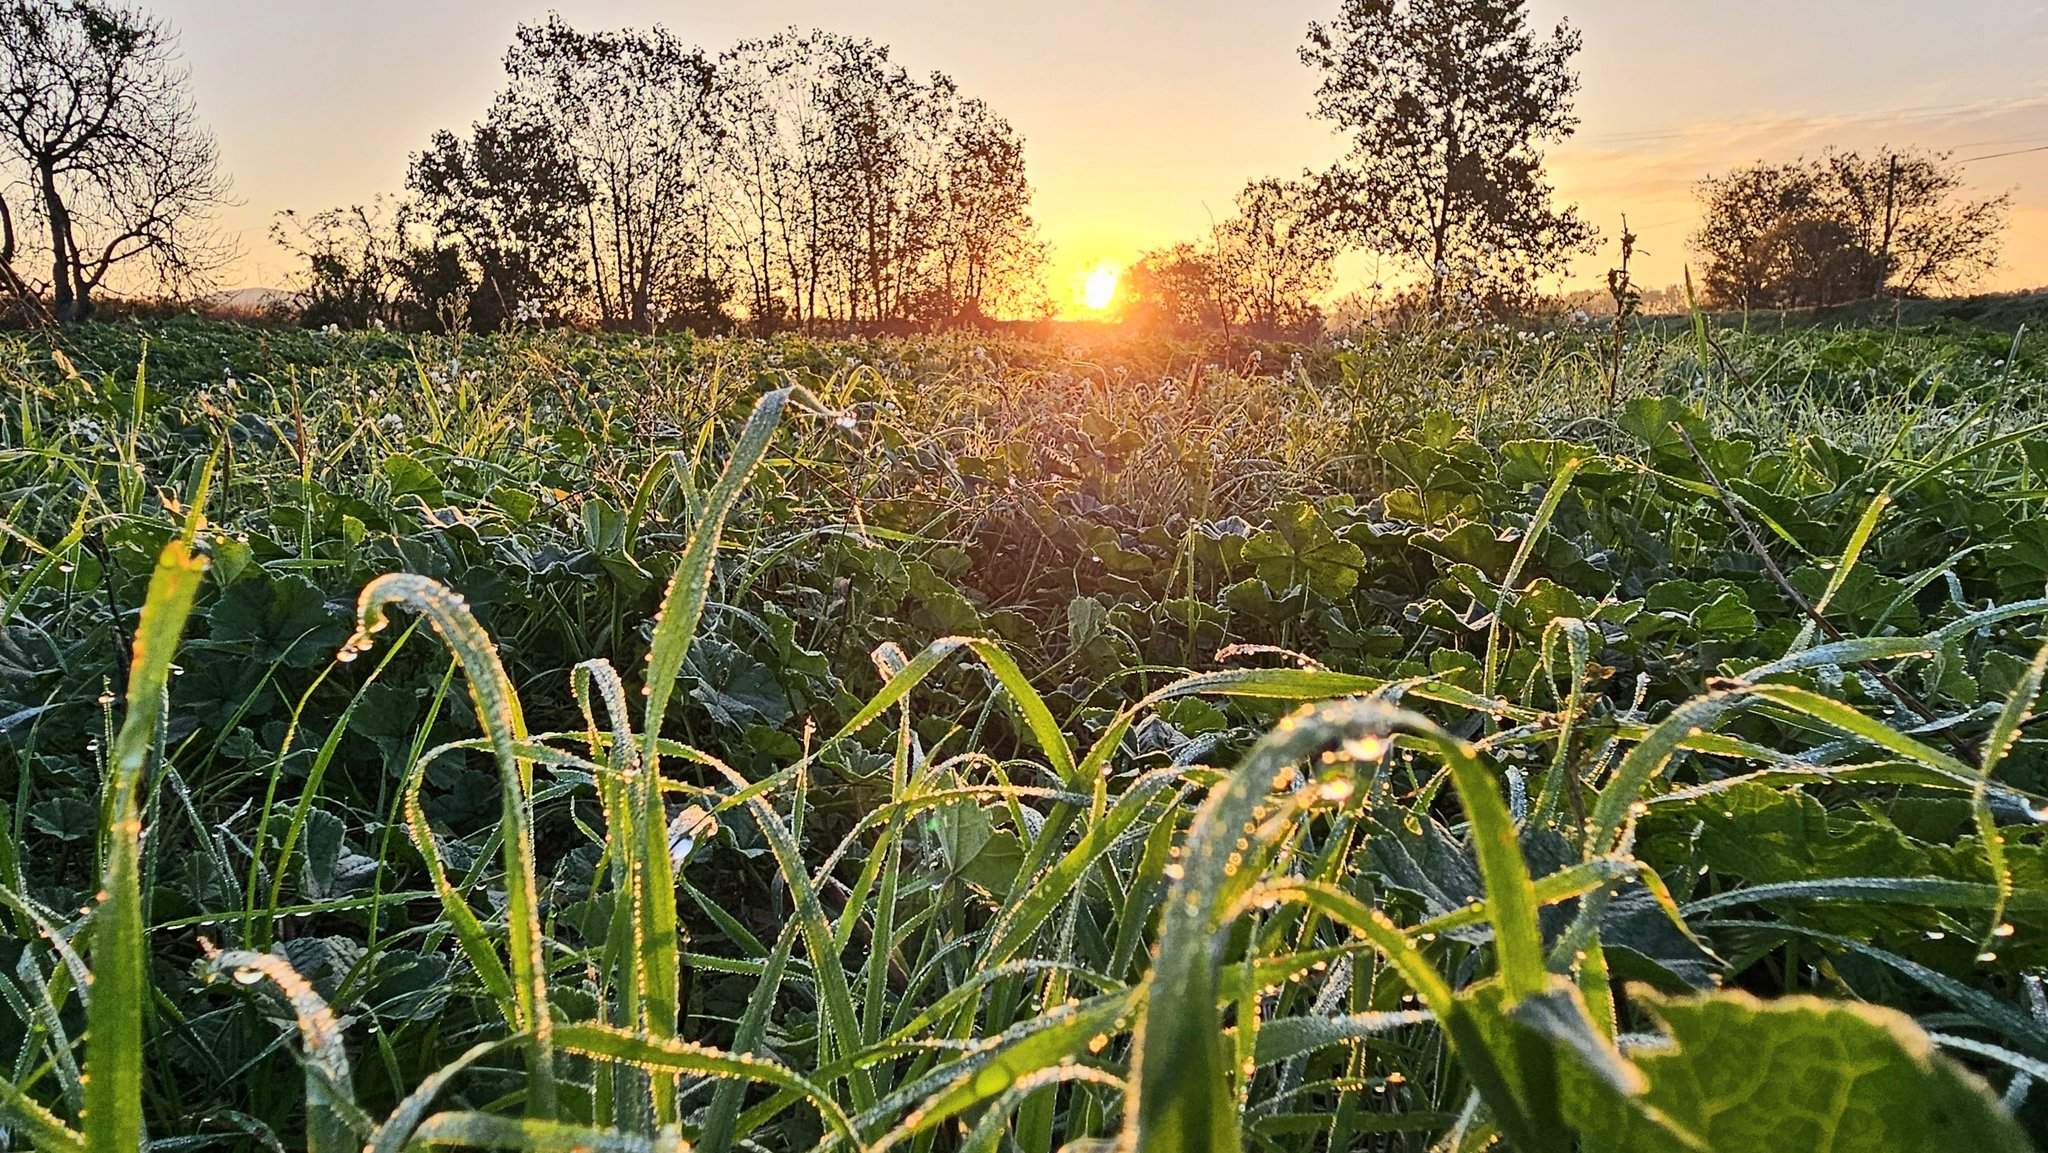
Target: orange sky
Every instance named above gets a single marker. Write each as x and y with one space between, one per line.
1145 116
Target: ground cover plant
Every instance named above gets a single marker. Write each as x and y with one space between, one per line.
562 741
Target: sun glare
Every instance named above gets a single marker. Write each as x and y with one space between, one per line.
1100 288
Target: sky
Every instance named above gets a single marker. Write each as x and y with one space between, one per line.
1144 117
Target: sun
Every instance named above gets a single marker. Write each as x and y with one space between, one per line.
1099 290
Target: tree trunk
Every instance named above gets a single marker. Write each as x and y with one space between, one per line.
31 308
1883 273
64 301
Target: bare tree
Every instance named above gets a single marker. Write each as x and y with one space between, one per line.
25 296
95 112
1909 211
1277 255
633 111
779 99
852 190
869 155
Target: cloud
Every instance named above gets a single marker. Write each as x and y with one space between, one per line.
1650 175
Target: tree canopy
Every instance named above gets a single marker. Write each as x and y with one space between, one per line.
1843 227
628 179
1449 105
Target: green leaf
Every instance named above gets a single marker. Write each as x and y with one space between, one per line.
1300 550
466 1130
284 617
734 688
1527 462
682 608
65 817
1473 543
1649 419
1799 1073
406 475
1726 615
1085 618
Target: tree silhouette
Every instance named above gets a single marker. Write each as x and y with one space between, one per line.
507 200
633 180
1843 227
95 114
1449 104
1261 270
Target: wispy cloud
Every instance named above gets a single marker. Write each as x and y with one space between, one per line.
1650 175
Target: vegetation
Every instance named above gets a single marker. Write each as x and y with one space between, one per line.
627 180
956 745
96 124
576 726
1262 271
1844 228
1449 104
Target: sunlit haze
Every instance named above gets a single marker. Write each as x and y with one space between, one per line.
1143 117
1098 288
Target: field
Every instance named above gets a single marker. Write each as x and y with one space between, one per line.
970 744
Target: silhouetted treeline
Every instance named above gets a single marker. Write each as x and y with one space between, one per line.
629 180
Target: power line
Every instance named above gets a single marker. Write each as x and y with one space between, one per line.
2005 142
2003 155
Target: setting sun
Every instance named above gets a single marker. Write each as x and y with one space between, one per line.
1100 288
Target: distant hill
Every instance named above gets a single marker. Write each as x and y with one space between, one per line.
253 299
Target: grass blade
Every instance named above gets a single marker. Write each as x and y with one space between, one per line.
120 955
499 715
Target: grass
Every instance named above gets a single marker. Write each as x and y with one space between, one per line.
1381 744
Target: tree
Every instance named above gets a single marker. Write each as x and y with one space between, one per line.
1174 289
637 181
974 249
1812 233
1449 104
855 191
632 109
507 200
373 266
872 111
774 124
95 114
1276 256
354 262
1262 269
1744 237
